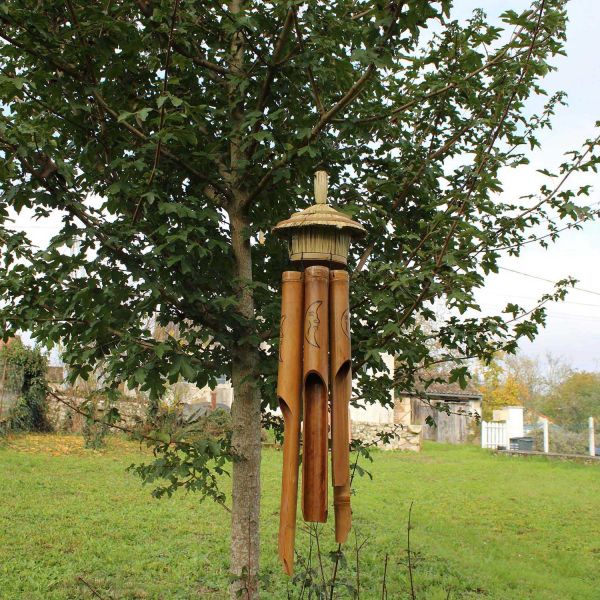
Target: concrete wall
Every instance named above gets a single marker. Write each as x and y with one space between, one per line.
513 417
376 413
372 413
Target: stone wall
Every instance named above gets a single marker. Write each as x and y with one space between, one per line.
133 404
406 437
63 418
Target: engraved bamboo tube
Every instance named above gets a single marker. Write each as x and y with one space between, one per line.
289 392
341 389
315 394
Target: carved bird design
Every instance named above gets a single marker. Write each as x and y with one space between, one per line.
311 323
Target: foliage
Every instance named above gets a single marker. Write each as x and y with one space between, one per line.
546 550
70 134
26 371
192 457
95 428
551 388
215 424
167 136
500 388
574 400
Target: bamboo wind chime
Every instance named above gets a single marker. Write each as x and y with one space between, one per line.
315 377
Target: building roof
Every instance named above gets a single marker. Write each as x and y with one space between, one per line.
449 392
462 396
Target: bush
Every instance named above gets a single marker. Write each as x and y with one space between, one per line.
215 424
561 441
95 427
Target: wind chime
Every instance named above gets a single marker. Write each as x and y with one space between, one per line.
315 376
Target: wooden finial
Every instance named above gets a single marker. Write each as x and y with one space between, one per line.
321 187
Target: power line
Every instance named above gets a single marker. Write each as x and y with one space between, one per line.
550 313
594 318
509 296
548 280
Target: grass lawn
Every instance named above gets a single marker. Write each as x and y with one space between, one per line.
484 526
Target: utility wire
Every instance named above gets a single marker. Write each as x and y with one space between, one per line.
548 280
559 315
511 296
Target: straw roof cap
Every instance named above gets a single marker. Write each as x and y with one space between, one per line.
319 214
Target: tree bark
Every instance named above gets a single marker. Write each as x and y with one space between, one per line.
245 410
245 413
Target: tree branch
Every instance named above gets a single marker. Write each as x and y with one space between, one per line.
162 110
473 182
403 193
309 70
271 70
146 8
327 116
64 67
142 136
77 209
357 88
498 59
76 75
487 152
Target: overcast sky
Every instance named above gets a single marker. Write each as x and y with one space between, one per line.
573 329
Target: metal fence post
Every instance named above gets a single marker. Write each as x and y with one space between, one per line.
546 440
592 440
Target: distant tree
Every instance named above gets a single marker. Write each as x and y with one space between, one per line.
574 400
540 377
168 134
501 388
528 371
555 369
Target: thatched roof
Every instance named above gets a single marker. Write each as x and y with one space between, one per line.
319 215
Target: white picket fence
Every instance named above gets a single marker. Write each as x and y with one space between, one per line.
494 434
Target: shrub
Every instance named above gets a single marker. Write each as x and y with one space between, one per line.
562 441
215 424
25 369
95 427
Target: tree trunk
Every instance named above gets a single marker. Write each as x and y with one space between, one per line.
245 413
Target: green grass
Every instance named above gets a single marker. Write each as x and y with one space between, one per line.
484 526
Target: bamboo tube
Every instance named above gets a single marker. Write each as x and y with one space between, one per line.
341 388
289 389
315 394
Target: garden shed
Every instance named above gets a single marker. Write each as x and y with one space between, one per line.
446 415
